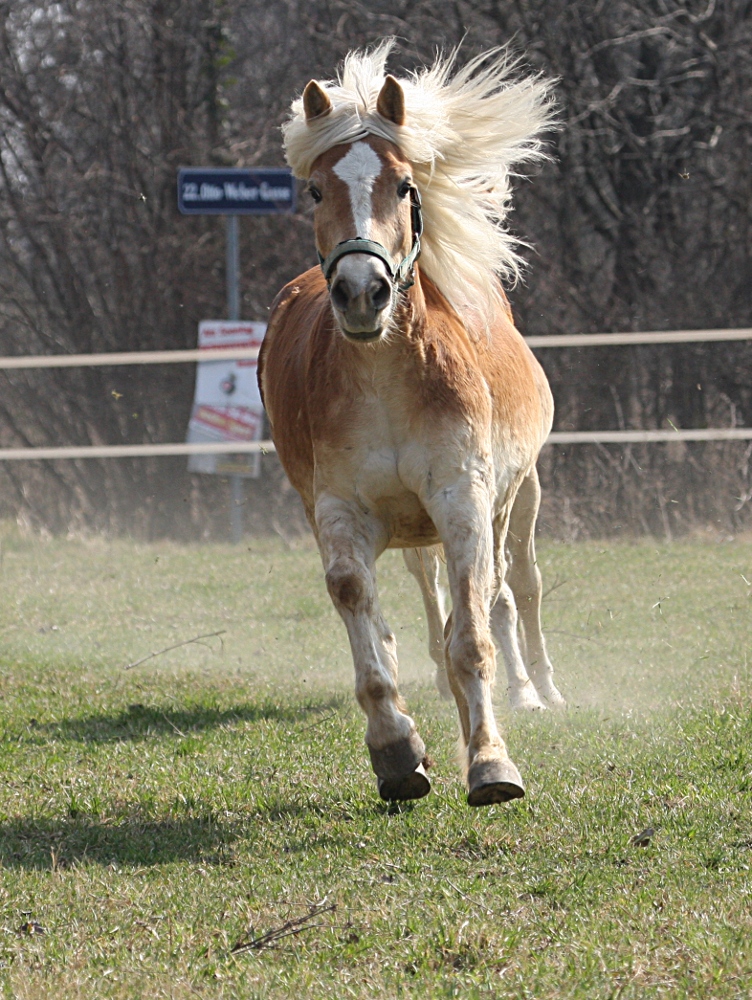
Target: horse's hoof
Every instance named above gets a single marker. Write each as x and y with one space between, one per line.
493 781
526 699
410 786
398 759
399 769
552 697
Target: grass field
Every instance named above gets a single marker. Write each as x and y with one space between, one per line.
153 819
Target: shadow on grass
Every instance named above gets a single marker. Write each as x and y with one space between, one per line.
138 722
35 844
363 807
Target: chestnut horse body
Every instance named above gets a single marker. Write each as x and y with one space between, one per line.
405 407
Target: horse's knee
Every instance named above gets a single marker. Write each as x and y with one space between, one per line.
472 653
349 585
466 650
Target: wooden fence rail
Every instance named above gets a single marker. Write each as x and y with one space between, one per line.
250 354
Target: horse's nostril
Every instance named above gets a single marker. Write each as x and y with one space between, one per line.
380 292
340 294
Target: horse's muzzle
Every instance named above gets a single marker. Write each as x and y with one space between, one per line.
361 296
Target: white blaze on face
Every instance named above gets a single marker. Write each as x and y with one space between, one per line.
359 169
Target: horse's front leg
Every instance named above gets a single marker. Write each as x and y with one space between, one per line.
463 516
349 542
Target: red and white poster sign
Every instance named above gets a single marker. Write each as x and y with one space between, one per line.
226 403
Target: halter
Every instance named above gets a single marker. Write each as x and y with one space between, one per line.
403 276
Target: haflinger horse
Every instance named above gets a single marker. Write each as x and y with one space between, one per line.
405 407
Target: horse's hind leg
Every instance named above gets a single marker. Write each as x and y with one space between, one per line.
520 688
349 542
425 564
525 581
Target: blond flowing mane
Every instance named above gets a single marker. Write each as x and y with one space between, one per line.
466 133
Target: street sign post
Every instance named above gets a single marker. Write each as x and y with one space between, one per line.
233 192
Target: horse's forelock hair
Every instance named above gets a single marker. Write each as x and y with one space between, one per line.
466 133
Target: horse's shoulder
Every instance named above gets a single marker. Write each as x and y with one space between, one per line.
298 305
467 323
300 291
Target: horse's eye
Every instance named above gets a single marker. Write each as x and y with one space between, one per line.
404 189
314 193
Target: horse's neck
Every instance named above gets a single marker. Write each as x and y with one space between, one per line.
468 319
428 315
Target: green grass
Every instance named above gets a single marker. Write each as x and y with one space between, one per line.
153 818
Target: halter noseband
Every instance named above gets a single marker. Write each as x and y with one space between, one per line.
403 276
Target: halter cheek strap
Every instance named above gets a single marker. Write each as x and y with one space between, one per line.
403 276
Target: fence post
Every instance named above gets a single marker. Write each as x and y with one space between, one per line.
237 493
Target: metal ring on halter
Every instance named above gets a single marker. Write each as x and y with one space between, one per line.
402 276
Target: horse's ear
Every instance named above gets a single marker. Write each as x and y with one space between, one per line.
391 102
315 101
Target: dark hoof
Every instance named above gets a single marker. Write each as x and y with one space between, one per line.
493 781
410 786
399 769
398 759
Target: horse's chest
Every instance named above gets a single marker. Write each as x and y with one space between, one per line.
381 464
382 468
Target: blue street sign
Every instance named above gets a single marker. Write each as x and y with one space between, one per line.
233 191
